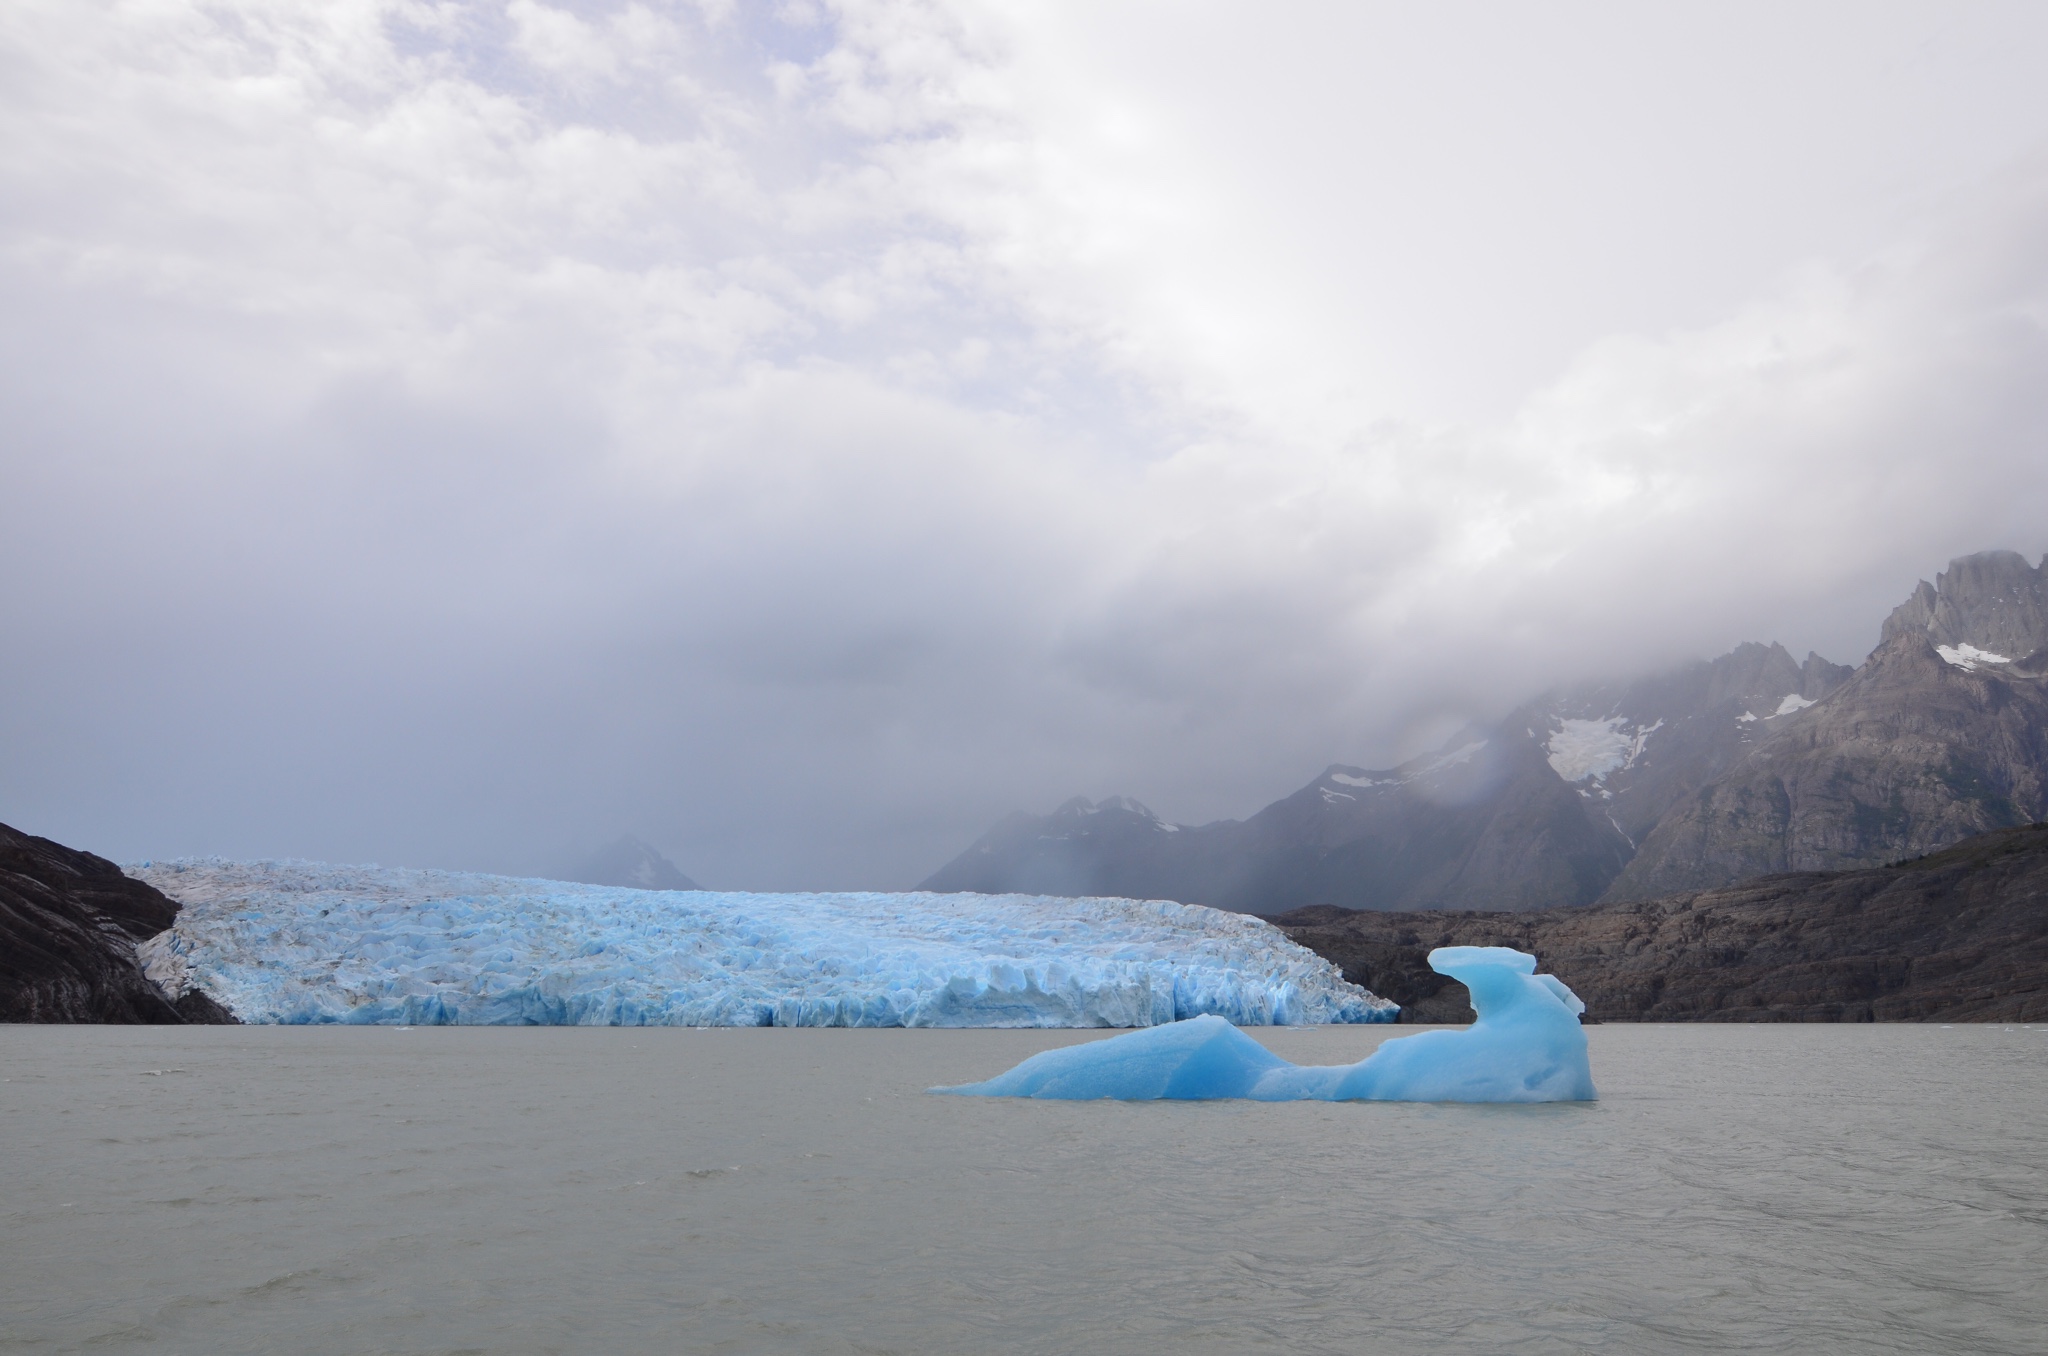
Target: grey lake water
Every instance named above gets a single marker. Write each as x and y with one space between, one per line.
313 1190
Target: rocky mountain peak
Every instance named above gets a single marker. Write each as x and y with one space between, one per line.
1986 609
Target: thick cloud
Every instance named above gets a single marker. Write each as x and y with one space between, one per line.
458 434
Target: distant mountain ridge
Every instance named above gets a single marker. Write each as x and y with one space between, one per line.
634 865
1724 769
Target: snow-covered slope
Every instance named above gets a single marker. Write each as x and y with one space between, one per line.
306 942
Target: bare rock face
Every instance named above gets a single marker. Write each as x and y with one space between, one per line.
69 925
1993 600
1632 751
1939 735
1957 936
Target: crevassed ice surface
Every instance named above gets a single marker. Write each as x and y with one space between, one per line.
299 942
1526 1046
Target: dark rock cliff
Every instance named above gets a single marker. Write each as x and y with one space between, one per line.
1960 935
69 922
1921 747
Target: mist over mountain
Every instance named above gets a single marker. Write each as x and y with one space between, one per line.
1727 768
632 864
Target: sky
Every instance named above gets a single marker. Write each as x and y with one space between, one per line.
456 434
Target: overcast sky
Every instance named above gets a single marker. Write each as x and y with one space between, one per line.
457 434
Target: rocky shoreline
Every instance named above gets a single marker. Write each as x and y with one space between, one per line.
1959 935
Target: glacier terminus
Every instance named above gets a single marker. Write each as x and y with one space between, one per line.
305 942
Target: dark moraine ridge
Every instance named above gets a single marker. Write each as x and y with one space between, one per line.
69 922
1960 935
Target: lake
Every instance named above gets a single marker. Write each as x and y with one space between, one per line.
623 1190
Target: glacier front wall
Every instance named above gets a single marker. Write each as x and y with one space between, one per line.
300 942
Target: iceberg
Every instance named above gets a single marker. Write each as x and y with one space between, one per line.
305 942
1526 1046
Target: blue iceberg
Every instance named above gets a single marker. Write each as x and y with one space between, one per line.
303 942
1526 1046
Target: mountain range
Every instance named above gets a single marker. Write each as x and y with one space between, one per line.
1729 768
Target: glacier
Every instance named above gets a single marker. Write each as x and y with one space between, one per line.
1525 1046
306 942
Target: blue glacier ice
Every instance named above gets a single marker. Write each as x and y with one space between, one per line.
1526 1046
300 942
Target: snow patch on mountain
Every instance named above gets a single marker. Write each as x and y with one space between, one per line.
1580 749
1793 703
1968 657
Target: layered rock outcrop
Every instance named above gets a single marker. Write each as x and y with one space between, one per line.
69 924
